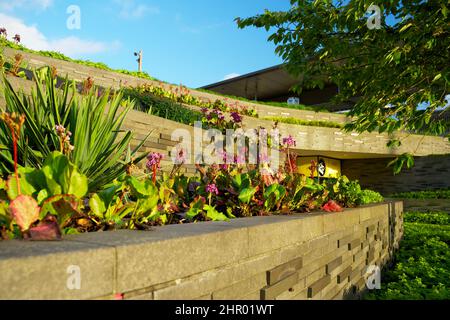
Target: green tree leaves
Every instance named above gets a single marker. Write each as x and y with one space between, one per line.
400 72
405 160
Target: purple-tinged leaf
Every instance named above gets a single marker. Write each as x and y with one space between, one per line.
47 230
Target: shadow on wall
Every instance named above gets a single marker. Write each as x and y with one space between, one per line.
432 172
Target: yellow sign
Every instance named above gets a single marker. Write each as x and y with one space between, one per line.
323 167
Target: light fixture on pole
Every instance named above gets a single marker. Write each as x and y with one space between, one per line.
139 59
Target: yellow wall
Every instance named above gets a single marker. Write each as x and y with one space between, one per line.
333 166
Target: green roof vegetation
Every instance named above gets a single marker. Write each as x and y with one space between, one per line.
314 123
57 55
270 103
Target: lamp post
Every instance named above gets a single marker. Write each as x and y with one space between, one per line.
139 59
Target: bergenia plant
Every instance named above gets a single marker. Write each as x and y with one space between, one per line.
154 164
288 143
211 189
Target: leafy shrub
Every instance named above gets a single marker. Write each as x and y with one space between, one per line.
370 196
350 194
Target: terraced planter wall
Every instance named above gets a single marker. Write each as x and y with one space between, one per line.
318 256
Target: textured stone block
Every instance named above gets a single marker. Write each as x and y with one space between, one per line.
370 229
357 256
297 292
354 244
280 272
143 296
283 231
270 292
357 272
344 275
43 270
345 241
256 296
315 288
333 265
141 261
371 255
237 290
210 281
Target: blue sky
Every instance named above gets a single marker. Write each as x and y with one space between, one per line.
195 42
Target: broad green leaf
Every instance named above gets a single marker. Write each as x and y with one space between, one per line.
247 194
142 188
30 180
147 204
213 214
97 205
76 183
195 209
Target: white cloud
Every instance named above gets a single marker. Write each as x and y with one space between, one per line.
32 38
129 9
9 5
231 76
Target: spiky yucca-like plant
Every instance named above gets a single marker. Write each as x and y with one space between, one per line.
94 120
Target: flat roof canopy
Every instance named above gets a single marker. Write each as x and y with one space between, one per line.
264 84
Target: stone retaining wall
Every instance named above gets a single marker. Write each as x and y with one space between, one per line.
305 256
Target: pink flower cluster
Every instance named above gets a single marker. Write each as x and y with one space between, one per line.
154 160
236 117
289 141
181 156
212 188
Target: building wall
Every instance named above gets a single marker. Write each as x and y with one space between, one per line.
310 256
432 172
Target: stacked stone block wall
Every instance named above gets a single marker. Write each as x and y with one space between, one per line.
303 256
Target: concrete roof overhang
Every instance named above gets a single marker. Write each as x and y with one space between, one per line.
341 155
263 84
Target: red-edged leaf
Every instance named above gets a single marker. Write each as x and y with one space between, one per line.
332 206
25 211
47 230
64 207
